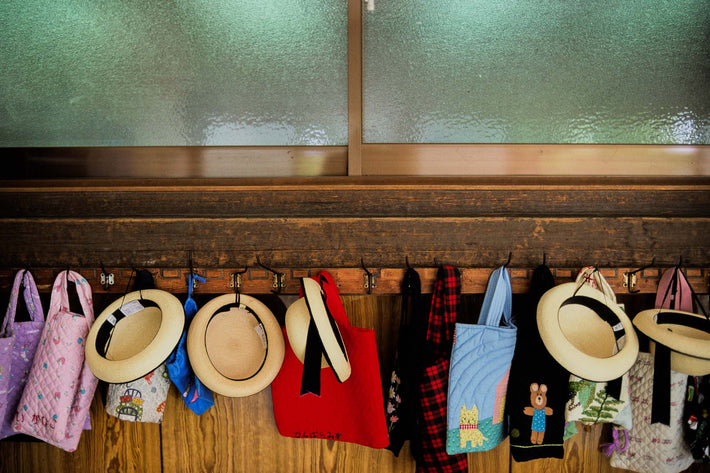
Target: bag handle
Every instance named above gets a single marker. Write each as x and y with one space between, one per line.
673 283
60 296
444 307
332 298
592 277
498 301
25 283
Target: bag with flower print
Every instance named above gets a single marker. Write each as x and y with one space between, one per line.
55 403
401 398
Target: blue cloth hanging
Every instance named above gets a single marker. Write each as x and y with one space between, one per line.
195 394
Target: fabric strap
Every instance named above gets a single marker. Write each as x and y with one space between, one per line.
498 301
25 284
310 380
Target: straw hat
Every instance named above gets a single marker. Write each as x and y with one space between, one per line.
134 335
298 319
685 333
235 349
583 330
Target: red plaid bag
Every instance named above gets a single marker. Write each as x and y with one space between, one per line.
432 456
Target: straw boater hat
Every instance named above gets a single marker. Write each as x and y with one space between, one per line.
235 348
134 335
298 320
583 330
686 334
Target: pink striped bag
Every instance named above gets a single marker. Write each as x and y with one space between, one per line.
55 403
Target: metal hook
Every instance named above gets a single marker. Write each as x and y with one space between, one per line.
630 277
406 261
369 278
105 278
279 279
235 279
195 283
544 258
510 255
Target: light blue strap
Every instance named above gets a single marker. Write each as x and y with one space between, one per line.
498 300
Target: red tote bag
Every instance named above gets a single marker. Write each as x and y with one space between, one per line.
351 411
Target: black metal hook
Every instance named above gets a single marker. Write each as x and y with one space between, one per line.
510 255
369 277
189 262
630 277
406 261
544 258
278 278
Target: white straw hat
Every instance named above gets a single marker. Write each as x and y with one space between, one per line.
685 333
134 335
583 330
298 319
235 348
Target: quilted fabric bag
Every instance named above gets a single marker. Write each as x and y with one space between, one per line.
480 366
54 406
196 395
593 402
348 411
654 448
18 343
142 400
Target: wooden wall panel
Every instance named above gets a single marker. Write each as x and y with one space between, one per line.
344 242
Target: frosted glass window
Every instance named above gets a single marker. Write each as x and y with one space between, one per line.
537 71
198 72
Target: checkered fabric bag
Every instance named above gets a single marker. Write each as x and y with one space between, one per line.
432 456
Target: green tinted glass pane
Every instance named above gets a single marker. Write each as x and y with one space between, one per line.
537 71
202 72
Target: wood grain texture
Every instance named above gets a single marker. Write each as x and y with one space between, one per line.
110 446
343 242
366 197
534 159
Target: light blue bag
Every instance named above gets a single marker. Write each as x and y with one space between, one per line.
478 379
195 394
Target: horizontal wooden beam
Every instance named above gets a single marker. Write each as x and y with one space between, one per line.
350 280
358 197
343 242
173 162
535 159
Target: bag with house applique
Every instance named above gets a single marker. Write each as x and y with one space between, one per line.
143 399
480 366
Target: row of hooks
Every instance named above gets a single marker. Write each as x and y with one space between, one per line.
369 277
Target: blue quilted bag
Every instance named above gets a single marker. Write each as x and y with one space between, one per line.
480 365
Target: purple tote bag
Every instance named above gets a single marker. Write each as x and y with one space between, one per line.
18 343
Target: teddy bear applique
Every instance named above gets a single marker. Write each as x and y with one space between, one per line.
539 411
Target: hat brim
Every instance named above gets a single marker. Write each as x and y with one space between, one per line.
204 368
575 360
298 319
690 347
168 335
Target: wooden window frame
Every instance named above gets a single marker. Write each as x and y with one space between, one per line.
358 158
